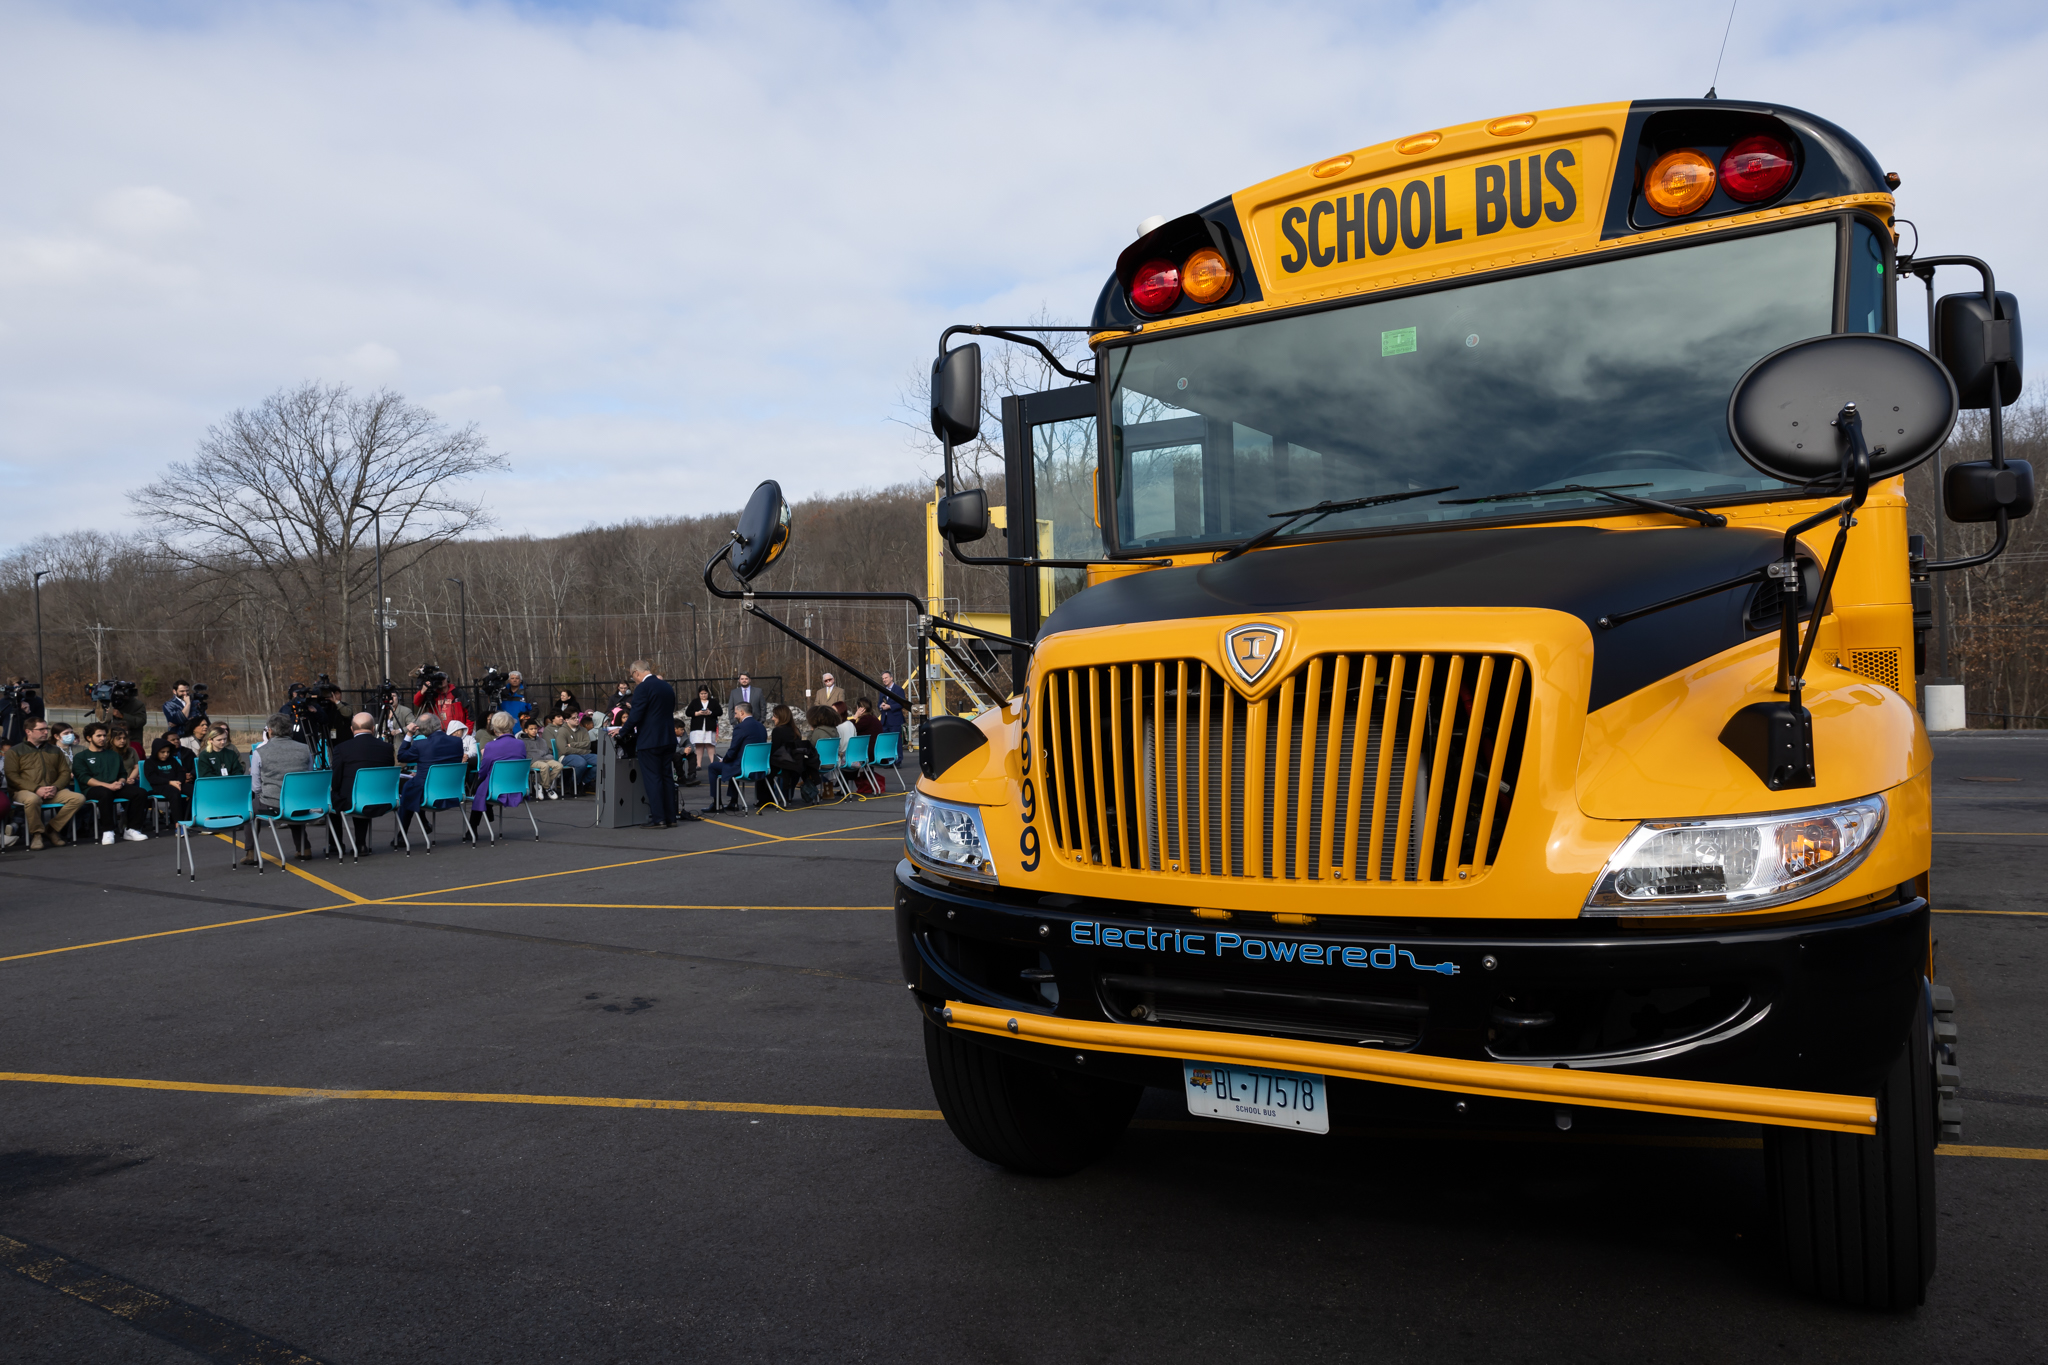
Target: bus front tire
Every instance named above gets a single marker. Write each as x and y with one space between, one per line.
1855 1215
1028 1117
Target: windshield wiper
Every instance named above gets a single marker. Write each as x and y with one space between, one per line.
1608 492
1321 510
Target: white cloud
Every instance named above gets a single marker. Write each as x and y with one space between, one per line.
717 244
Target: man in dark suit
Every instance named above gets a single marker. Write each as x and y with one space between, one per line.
650 724
426 744
746 692
745 730
359 751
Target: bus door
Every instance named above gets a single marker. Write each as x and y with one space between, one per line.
1049 463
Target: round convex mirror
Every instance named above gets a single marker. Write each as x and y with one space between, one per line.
1782 413
763 531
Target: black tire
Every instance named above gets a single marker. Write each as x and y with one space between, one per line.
1855 1215
1034 1119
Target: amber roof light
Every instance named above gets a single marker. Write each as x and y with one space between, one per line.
1679 183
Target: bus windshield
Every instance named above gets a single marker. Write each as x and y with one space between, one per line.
1613 374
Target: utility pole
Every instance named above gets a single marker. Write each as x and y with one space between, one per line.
39 635
463 591
383 602
99 671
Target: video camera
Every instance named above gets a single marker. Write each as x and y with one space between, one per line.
196 709
114 692
19 695
490 691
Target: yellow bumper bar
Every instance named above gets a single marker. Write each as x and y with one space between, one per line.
1599 1089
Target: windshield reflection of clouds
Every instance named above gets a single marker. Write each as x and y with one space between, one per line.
1611 373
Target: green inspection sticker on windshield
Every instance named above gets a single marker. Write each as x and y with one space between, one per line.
1401 341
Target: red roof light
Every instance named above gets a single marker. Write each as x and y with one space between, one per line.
1156 286
1755 169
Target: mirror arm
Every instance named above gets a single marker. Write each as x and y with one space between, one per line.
1015 334
816 648
1006 560
947 623
1972 561
748 594
1793 654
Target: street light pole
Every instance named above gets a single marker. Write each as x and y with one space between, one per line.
39 628
463 598
383 604
694 660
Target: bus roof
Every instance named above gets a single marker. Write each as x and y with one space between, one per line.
1508 192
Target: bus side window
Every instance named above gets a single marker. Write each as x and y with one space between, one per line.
1865 312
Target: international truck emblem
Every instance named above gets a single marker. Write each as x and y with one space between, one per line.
1252 649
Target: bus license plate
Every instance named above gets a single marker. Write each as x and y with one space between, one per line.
1248 1094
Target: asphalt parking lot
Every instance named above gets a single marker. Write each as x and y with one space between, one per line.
649 1095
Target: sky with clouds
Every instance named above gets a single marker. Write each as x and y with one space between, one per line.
658 252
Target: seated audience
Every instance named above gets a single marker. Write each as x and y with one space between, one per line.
218 758
547 773
105 776
270 763
745 730
169 771
362 750
504 745
39 773
865 721
194 739
794 761
431 743
572 743
460 729
565 703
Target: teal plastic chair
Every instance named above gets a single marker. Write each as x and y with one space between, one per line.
510 777
447 786
828 764
754 763
302 798
217 803
888 753
374 787
855 757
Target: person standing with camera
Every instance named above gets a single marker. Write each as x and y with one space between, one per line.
23 703
186 705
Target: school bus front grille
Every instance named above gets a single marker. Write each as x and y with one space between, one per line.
1359 767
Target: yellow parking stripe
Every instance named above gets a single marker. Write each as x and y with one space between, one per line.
573 1101
2023 914
167 933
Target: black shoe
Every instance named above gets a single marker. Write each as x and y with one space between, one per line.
652 824
688 817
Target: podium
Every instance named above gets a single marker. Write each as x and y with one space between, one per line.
621 799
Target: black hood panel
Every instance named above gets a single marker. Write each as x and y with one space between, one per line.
1583 570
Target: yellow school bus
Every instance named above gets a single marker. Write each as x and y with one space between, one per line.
1448 705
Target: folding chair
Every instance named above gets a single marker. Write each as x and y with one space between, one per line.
217 803
446 787
374 787
510 777
301 799
888 753
855 757
754 764
828 764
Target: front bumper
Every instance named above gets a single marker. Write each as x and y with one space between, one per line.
1792 1023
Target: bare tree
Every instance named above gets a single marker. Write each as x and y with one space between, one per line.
279 502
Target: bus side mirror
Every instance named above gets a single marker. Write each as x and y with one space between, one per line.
963 516
763 532
1782 414
956 394
1974 342
1976 491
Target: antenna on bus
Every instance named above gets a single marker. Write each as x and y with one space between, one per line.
1715 83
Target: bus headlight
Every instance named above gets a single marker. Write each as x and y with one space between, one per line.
949 839
1743 862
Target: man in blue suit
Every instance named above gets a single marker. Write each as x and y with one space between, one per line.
745 730
426 744
650 726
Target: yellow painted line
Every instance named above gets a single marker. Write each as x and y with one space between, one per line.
598 905
2008 1153
848 1112
194 929
642 862
1990 834
320 882
460 1097
2024 914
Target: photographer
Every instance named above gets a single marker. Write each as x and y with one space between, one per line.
186 705
23 703
437 696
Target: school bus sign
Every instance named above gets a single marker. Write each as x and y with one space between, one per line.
1370 224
